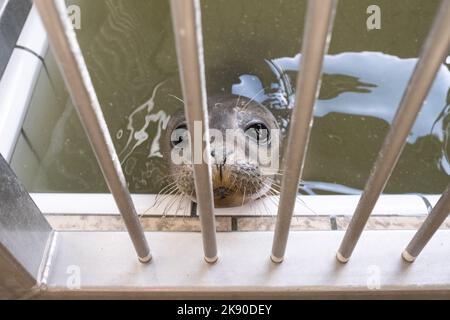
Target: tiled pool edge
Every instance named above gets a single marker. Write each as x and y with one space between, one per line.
230 224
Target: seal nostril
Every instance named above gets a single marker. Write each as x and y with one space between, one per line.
220 158
221 192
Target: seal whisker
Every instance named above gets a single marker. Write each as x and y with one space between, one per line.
169 186
252 99
166 189
269 186
238 100
156 204
261 198
166 209
243 198
170 193
305 205
274 192
173 192
275 201
297 198
180 203
265 207
272 183
174 96
170 204
165 177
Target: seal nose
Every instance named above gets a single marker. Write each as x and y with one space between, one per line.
220 156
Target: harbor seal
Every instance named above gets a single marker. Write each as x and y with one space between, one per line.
243 134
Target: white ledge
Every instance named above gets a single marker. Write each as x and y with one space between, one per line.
108 266
33 35
323 205
104 204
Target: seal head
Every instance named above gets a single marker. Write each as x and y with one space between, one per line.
243 137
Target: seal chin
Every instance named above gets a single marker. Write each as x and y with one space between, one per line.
233 185
225 190
234 200
222 192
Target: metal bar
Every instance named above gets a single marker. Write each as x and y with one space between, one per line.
70 60
316 38
433 53
24 237
186 17
431 224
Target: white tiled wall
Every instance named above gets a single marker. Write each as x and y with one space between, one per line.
46 107
44 110
24 162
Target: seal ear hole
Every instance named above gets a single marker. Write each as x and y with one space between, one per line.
258 132
179 135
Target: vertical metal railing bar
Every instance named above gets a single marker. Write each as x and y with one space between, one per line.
429 227
186 17
316 38
433 54
71 63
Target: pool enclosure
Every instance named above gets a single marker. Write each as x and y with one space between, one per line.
36 260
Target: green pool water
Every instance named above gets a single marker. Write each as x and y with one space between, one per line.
252 49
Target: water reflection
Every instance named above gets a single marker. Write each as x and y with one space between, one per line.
138 135
363 84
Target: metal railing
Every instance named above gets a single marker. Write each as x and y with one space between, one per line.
73 68
188 35
433 54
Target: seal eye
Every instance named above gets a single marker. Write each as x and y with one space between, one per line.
179 135
258 132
